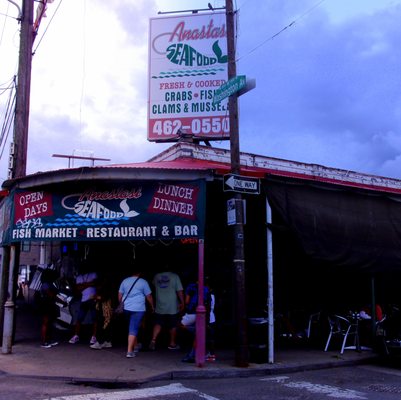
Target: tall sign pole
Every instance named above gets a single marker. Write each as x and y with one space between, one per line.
17 167
241 351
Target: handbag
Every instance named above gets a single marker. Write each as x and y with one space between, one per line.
120 308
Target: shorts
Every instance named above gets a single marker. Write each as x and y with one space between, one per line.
168 321
134 321
87 312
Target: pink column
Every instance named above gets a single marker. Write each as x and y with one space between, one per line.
200 311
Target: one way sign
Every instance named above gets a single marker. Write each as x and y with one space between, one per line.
243 184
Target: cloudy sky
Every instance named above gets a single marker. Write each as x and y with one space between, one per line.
328 81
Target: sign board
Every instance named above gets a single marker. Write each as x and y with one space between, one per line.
228 88
187 63
138 210
232 212
242 184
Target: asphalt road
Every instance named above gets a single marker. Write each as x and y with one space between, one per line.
363 382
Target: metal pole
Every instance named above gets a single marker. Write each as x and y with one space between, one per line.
42 253
200 325
241 355
270 303
5 261
9 305
18 169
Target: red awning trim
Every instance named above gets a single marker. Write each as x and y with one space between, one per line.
221 168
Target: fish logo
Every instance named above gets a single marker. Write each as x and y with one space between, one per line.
94 210
184 54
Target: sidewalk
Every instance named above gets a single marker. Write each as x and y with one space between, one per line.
79 363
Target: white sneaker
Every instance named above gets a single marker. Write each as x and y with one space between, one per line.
96 346
74 339
107 345
93 340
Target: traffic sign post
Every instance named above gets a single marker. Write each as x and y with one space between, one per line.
228 88
241 184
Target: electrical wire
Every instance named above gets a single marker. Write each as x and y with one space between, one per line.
83 69
4 25
7 86
9 16
47 27
7 129
242 5
2 91
283 29
8 119
7 82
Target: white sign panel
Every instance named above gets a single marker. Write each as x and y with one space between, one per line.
187 63
232 213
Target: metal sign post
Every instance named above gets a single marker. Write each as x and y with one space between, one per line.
241 351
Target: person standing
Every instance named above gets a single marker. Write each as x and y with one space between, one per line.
48 308
188 321
134 291
104 317
169 303
85 284
211 327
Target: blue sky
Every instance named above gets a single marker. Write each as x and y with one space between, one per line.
327 87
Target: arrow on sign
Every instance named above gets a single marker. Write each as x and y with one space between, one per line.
238 183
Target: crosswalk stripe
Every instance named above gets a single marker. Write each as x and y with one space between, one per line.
172 389
331 391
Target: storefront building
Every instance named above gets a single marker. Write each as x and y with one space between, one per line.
333 231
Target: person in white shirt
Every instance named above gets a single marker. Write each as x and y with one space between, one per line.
85 283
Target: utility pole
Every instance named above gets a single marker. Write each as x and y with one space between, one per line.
21 120
17 167
241 351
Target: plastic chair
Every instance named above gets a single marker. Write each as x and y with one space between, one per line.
381 335
313 320
340 326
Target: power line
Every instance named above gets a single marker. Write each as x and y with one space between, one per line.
47 27
283 29
4 90
9 16
6 85
83 80
8 118
4 25
7 128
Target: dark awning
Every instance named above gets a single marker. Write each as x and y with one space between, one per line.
341 225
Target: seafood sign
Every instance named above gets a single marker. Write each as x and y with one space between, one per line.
93 209
187 64
150 210
184 54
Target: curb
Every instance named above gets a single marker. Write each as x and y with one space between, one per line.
201 374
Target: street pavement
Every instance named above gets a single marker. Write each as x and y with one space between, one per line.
80 363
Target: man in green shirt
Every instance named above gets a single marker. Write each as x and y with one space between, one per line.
169 303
